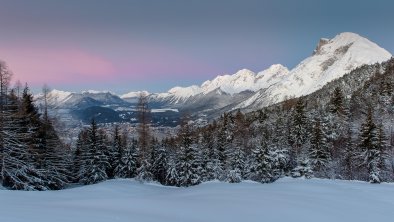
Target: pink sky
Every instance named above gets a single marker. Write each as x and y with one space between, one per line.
39 64
56 65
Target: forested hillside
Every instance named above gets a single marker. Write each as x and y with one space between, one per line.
342 131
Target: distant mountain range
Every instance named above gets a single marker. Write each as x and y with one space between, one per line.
243 90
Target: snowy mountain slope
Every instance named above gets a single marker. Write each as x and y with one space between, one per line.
178 94
330 60
62 99
243 80
56 97
128 200
134 94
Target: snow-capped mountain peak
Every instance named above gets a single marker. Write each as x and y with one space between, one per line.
57 96
242 80
331 59
134 94
98 92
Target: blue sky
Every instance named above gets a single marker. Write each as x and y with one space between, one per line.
153 45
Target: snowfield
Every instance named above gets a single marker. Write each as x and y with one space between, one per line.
128 200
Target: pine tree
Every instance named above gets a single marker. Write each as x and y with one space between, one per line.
349 157
337 101
382 148
81 157
56 165
114 152
33 126
369 148
261 168
172 177
97 162
127 167
237 165
188 165
318 154
223 140
280 148
298 132
18 171
160 162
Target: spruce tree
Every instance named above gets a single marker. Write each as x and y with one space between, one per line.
127 167
298 132
369 148
261 167
18 171
318 154
97 161
114 152
237 164
159 163
188 165
349 157
337 101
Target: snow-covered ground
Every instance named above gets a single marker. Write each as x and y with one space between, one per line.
127 200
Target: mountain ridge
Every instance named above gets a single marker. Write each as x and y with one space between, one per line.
247 90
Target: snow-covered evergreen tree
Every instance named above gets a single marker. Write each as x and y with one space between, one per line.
303 169
159 163
349 157
261 167
114 152
18 171
318 151
127 167
337 101
369 148
96 161
172 177
298 132
188 164
236 158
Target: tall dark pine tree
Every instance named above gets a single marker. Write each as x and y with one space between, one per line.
18 171
260 169
114 152
96 161
33 128
236 166
336 101
159 163
188 165
349 157
81 157
318 153
369 148
299 132
210 144
382 148
127 167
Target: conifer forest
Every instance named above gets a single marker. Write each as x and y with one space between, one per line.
342 131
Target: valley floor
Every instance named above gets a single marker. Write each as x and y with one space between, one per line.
128 200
